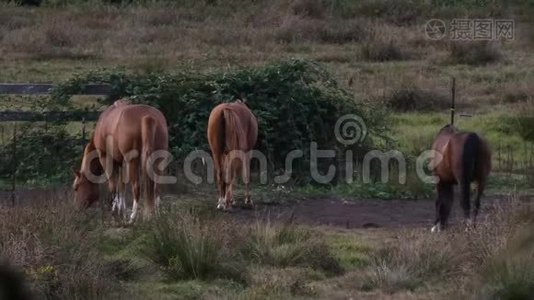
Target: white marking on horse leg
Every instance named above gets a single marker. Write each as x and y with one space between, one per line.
157 203
221 203
134 211
115 204
123 206
435 228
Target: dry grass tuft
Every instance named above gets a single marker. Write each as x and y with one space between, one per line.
308 8
414 99
475 53
299 29
413 259
57 249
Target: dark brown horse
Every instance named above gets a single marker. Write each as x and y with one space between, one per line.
464 157
232 133
125 136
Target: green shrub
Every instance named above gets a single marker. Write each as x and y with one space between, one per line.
42 156
296 102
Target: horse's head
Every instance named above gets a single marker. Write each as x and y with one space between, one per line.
86 192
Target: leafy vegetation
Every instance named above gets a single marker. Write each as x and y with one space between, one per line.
40 156
296 97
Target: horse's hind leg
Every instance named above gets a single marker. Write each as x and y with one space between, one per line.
229 190
443 205
218 161
465 188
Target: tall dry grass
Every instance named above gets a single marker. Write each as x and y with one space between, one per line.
482 263
57 249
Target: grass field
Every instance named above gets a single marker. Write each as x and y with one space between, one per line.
377 51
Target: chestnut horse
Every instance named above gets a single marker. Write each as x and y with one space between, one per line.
125 136
232 133
464 157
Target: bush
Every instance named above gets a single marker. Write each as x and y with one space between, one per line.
42 156
295 101
474 53
380 50
415 99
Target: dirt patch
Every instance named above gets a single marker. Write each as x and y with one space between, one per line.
347 213
354 213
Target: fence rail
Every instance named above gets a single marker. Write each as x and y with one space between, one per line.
29 116
45 88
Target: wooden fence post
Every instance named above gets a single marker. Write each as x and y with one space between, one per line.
83 129
14 165
453 99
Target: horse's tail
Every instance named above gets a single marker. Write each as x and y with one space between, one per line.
148 133
233 131
235 138
470 161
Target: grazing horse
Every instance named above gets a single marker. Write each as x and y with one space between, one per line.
125 135
232 133
464 157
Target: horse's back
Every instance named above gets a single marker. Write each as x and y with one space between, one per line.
462 152
245 119
123 122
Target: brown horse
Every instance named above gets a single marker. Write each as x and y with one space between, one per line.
464 157
125 136
232 133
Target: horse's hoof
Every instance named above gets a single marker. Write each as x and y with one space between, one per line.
435 228
220 206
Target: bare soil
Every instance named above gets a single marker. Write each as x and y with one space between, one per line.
338 212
